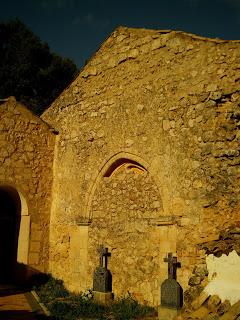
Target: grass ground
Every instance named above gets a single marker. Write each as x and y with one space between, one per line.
66 306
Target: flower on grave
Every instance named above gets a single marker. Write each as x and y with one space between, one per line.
87 295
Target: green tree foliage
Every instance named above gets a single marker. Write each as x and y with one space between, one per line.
28 70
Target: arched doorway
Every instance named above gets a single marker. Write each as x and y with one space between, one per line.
9 230
13 243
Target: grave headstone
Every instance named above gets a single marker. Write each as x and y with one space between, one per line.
171 291
102 278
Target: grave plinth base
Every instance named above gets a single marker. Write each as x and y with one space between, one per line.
102 297
165 313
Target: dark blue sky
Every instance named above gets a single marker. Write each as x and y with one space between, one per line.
76 28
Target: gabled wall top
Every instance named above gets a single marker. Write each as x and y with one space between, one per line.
139 46
128 43
10 105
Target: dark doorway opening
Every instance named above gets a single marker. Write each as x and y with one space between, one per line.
9 231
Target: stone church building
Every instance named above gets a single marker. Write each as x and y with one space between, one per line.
141 153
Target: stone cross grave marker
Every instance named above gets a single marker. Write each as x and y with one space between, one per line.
103 254
171 291
102 278
172 266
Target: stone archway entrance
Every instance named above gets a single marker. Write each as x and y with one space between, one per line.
9 231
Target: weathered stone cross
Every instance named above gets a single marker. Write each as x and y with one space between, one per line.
172 266
103 253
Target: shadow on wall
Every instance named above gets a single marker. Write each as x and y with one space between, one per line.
23 277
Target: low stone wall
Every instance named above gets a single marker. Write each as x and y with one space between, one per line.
217 276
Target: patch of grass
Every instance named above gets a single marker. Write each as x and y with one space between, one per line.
128 308
66 306
76 308
52 289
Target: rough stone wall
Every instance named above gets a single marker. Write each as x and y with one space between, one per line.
26 157
169 101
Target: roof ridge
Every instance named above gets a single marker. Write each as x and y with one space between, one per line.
192 35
